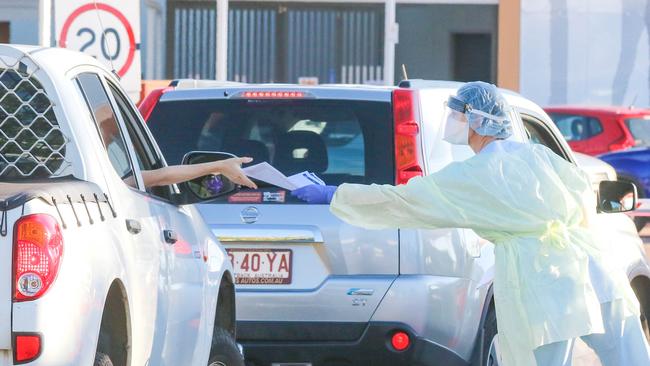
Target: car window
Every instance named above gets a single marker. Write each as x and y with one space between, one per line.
107 126
32 144
640 130
340 141
540 134
575 127
146 156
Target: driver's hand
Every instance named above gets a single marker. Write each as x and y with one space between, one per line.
231 169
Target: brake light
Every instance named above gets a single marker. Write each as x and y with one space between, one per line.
407 130
272 94
400 341
27 347
150 101
37 252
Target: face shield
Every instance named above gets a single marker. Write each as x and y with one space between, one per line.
456 129
482 123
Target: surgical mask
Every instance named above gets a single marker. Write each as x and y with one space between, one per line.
456 131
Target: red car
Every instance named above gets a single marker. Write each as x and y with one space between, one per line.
599 130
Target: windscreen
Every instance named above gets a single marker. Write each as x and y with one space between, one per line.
640 130
340 141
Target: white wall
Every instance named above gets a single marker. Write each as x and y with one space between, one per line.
23 18
585 51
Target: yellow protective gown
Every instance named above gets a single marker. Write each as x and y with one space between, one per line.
535 207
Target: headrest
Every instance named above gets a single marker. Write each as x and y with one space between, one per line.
299 151
251 148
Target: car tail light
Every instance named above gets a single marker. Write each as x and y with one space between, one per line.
150 101
407 130
27 347
400 341
37 252
272 94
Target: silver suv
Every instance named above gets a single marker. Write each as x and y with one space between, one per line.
312 290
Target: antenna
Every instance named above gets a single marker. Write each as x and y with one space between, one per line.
404 74
101 25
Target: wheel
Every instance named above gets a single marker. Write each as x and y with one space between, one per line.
491 351
224 350
102 359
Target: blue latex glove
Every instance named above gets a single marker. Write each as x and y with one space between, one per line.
315 193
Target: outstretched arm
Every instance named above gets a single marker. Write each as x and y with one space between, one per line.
230 168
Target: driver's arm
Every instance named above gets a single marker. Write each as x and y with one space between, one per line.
231 168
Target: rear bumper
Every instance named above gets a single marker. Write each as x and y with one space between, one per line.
372 348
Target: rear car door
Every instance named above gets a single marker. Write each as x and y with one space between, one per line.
179 315
301 273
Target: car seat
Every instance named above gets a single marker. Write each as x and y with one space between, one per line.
251 148
299 151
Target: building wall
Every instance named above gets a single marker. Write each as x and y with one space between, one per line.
426 38
585 51
23 20
153 40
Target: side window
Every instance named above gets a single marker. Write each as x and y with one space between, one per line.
146 156
595 127
577 128
539 134
107 126
144 152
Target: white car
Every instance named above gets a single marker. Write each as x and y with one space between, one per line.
92 269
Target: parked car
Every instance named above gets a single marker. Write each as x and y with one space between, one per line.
599 130
313 290
633 165
92 269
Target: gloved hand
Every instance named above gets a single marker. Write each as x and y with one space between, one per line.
315 194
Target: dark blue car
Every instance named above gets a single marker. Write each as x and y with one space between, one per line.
632 165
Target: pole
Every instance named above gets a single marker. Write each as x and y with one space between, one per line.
222 40
45 22
391 38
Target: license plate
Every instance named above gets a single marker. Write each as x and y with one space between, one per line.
261 266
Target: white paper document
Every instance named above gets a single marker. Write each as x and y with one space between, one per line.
267 173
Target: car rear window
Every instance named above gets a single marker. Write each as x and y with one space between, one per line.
32 145
640 130
340 141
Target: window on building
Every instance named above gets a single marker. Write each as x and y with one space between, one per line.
472 57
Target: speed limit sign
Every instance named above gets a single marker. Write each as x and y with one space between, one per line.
108 30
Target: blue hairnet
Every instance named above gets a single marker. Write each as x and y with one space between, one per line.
486 98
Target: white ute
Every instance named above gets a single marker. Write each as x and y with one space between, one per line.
92 269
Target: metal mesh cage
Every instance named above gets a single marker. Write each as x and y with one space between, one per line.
31 142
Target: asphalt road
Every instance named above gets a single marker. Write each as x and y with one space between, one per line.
582 355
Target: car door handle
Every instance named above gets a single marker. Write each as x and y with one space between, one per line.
170 236
133 226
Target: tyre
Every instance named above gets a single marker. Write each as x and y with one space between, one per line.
491 353
224 350
102 359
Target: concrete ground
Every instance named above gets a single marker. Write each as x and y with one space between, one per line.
582 355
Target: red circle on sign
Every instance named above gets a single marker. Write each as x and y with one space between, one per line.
101 6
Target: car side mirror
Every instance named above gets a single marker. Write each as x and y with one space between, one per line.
616 196
207 187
